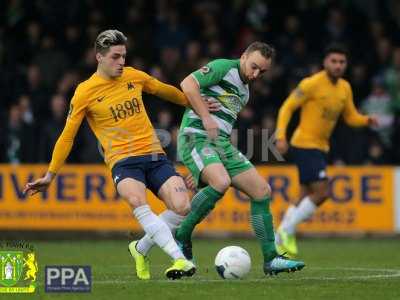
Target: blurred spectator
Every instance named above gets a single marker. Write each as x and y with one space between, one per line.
171 64
192 56
336 28
52 128
376 153
359 82
46 48
382 56
38 92
378 103
26 109
18 136
392 79
51 62
170 32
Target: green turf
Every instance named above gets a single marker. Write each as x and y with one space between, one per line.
336 269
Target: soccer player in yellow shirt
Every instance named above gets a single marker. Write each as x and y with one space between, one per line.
111 100
323 98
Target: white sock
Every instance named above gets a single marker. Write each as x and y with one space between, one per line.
170 218
302 212
288 214
158 231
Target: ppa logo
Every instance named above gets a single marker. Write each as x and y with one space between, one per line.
61 279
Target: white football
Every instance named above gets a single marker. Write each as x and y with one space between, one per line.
232 262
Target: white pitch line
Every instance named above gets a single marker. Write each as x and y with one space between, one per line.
394 273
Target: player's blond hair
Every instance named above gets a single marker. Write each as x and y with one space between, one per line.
108 38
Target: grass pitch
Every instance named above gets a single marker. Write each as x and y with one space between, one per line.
335 269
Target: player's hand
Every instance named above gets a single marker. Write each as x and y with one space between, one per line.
212 104
282 146
373 121
39 185
189 181
211 126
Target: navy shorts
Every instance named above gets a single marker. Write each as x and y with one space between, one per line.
311 164
153 170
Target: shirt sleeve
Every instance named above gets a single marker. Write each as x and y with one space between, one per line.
296 99
350 114
210 74
65 141
164 91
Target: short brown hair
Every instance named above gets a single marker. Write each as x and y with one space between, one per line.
109 38
266 50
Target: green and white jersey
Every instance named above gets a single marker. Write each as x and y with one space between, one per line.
219 80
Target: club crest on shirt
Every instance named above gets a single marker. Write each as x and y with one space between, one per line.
298 93
204 70
71 108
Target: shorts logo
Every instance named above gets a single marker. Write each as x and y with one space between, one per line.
207 152
116 178
322 174
18 268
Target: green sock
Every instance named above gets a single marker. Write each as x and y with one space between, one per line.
202 203
261 220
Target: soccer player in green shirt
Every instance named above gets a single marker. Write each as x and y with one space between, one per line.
205 148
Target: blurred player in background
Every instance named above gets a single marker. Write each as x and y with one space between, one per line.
205 148
323 98
111 100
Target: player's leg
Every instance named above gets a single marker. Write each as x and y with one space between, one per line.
175 196
134 192
304 192
201 157
285 239
217 182
319 192
162 180
311 164
255 186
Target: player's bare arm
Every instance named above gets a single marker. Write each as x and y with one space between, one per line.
192 91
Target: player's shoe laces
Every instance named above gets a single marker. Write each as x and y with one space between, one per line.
186 248
286 243
141 261
181 267
282 264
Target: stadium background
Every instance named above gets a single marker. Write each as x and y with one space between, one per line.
46 49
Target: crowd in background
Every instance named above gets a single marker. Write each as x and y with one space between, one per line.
46 49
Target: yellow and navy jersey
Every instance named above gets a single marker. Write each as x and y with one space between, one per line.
115 111
322 103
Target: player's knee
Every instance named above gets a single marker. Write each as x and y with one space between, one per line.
262 190
182 208
135 201
220 183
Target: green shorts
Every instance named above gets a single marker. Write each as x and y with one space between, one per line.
197 151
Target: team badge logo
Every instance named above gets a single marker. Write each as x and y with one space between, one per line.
18 269
204 70
298 93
